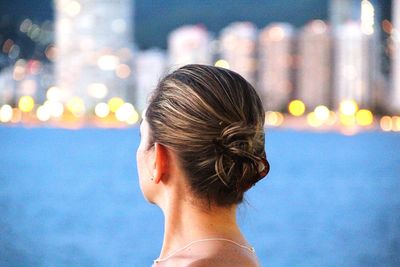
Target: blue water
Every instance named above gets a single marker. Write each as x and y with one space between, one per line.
71 198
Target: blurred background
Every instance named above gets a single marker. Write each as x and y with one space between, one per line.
75 76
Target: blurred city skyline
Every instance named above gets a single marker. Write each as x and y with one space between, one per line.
88 62
151 29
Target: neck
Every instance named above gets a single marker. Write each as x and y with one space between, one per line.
186 222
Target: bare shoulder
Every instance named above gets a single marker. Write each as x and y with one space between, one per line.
220 262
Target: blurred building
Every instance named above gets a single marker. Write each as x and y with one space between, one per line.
314 65
350 70
189 44
238 43
94 53
150 67
275 65
396 57
7 85
357 73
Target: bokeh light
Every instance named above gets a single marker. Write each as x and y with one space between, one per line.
97 90
107 62
367 17
123 71
348 107
322 113
26 103
73 8
101 110
55 108
313 120
133 118
43 113
115 103
386 123
273 118
124 112
6 113
364 117
333 118
19 72
222 63
396 123
53 93
297 107
347 120
51 52
76 106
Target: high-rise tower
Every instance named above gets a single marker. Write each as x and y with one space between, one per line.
356 55
94 49
275 61
314 64
238 48
150 66
189 44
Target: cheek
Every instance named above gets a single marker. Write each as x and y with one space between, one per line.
140 163
140 154
143 173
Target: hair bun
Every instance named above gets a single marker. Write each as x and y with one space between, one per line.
198 104
240 156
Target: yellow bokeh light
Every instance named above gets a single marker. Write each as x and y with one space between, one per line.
364 117
273 118
43 113
347 120
322 113
297 108
313 120
76 106
396 123
222 63
386 123
101 110
348 107
26 103
6 113
115 103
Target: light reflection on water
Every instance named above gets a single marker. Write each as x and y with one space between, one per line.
70 198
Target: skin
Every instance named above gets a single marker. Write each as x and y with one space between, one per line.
164 183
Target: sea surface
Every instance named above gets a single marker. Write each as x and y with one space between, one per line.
71 198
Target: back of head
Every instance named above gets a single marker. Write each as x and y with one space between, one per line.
214 121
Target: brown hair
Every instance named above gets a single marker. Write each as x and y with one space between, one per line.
214 120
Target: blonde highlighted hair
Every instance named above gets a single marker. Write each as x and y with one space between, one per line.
213 119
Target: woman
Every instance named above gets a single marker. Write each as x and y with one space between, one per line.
202 147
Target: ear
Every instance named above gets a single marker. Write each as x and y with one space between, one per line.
160 162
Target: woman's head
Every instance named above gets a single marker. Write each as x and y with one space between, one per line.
213 120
